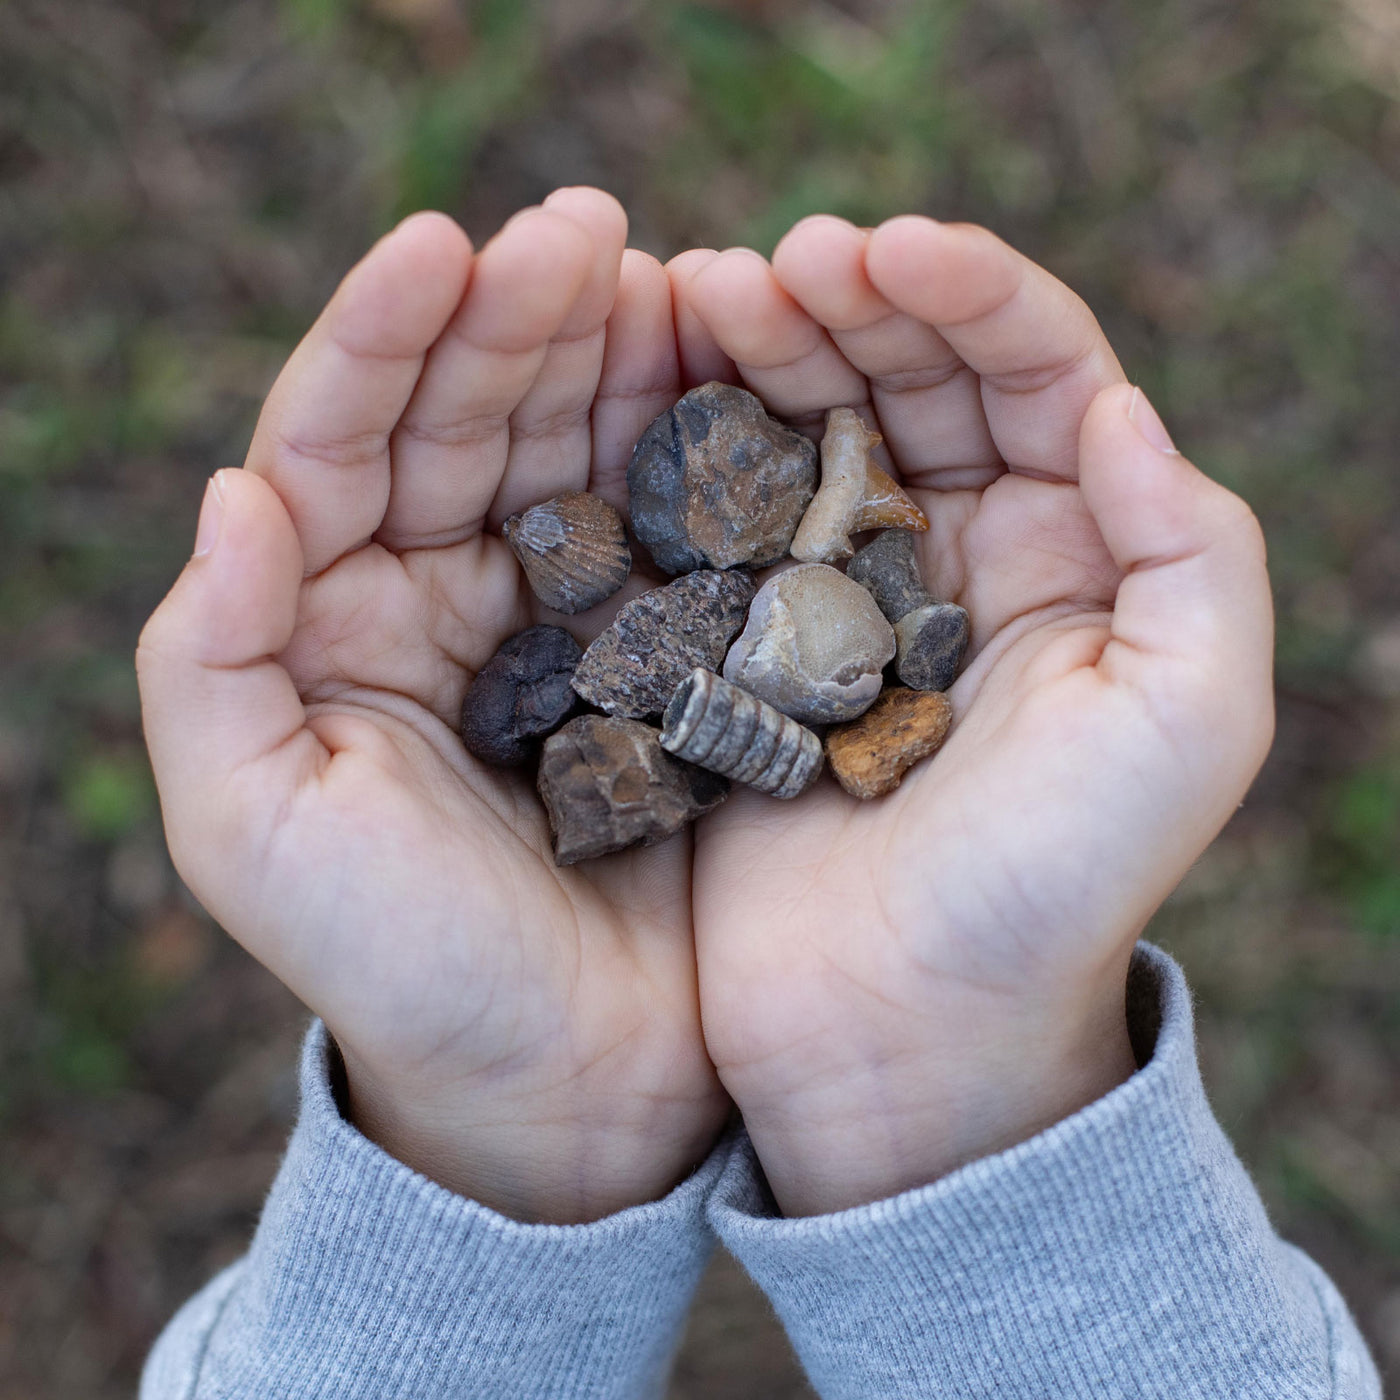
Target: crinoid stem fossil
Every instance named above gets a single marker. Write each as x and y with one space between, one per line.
715 725
854 494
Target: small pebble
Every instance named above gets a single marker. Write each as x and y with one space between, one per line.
608 784
871 756
814 647
930 637
660 637
930 644
520 695
573 549
715 482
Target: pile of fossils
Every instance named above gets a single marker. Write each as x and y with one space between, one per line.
735 673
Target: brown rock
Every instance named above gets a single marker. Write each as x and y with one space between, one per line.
573 549
870 756
660 637
608 784
715 482
520 695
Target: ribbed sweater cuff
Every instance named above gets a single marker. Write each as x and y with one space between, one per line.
1121 1253
368 1280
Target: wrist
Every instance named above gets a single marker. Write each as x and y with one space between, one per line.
975 1085
537 1157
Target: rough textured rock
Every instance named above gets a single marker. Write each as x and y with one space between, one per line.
887 569
814 646
520 695
573 549
930 637
871 756
729 731
660 637
715 482
608 784
854 495
930 644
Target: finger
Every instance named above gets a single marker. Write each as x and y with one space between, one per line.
322 439
551 440
451 447
782 354
641 372
701 358
1037 349
222 717
928 401
1193 618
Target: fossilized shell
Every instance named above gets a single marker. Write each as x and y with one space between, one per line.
854 495
573 550
717 726
814 646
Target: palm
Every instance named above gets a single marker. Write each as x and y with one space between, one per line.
977 916
403 889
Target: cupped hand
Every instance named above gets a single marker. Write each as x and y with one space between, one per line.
526 1035
891 989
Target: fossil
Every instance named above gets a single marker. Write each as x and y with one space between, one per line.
930 637
520 695
854 495
715 482
660 637
607 784
716 725
573 549
814 646
870 757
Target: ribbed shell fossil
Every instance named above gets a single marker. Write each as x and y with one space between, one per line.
854 495
717 726
573 550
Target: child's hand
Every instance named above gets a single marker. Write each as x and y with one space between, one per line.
526 1035
894 988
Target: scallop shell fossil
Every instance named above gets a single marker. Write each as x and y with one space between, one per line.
573 549
854 495
715 725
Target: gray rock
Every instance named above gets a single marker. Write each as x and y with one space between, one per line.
715 482
520 695
660 637
608 784
814 647
887 569
930 644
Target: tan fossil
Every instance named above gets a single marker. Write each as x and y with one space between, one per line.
715 725
573 549
854 494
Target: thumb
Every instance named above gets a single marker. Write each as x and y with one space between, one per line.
1193 618
224 723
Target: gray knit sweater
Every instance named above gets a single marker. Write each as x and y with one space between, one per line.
1121 1253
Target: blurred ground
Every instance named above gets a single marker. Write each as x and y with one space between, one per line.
181 184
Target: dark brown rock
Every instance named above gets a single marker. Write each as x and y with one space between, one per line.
870 756
660 637
715 482
573 549
608 784
931 642
520 695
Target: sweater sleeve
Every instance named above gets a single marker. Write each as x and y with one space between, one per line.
366 1281
1122 1253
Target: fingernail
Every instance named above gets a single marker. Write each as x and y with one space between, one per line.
1144 418
211 515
